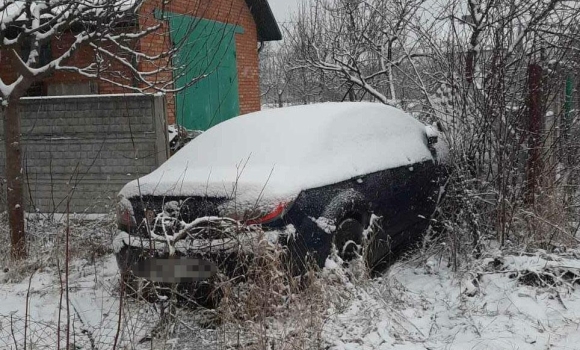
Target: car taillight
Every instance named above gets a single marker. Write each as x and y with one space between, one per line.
277 212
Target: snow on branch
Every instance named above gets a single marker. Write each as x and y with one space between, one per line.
113 31
363 43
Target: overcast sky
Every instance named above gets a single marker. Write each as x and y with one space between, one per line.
283 8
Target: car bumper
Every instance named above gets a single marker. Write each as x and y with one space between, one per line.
226 254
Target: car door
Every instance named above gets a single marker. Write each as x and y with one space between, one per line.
403 205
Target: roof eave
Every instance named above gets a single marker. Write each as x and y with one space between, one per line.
266 24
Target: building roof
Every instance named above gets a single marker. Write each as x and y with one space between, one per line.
266 24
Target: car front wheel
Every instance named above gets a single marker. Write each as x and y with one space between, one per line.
348 239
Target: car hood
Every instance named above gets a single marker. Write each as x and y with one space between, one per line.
245 186
274 155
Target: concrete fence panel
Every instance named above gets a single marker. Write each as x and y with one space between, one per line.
83 149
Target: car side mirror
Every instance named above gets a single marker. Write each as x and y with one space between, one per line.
432 135
432 140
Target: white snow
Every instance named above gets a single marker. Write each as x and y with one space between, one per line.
120 241
172 132
330 264
374 223
59 217
94 307
273 155
427 306
103 96
432 131
415 305
289 232
324 224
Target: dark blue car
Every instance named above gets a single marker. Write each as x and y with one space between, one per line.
349 174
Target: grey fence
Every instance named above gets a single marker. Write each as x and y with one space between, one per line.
83 149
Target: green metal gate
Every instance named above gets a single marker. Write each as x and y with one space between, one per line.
206 66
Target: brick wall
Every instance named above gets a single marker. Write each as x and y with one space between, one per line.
80 58
226 11
88 146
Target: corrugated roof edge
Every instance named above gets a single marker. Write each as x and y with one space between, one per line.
268 29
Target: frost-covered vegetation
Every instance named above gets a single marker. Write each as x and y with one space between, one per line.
499 78
504 299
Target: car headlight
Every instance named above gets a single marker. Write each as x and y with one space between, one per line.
125 214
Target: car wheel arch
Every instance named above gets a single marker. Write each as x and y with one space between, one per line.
349 210
348 204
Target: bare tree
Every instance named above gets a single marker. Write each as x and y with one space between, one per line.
282 83
123 43
362 41
492 74
274 75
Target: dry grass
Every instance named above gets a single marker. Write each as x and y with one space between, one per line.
265 308
46 241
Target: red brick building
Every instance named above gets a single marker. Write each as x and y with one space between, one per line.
231 30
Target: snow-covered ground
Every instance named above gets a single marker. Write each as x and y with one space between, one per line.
505 301
93 309
430 307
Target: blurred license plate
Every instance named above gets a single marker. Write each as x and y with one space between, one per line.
174 270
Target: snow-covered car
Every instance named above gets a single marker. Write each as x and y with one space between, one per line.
349 174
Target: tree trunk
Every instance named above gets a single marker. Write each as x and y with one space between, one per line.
351 94
14 178
470 65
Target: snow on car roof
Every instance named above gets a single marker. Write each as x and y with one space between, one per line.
279 152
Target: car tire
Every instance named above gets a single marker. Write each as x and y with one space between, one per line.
312 244
348 239
350 212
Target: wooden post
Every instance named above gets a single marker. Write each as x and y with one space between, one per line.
567 122
14 179
535 125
